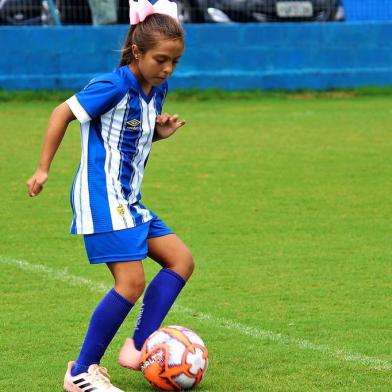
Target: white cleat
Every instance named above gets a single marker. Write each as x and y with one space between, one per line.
96 379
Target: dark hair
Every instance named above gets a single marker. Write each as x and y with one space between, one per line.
145 35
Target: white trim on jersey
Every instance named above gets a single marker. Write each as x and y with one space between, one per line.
148 115
76 202
112 125
78 110
146 214
84 219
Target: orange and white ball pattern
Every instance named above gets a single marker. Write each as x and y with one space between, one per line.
174 358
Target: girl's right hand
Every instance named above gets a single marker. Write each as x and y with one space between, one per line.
36 183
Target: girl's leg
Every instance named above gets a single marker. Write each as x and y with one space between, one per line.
170 252
110 313
177 262
128 279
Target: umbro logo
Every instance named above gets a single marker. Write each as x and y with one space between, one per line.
133 125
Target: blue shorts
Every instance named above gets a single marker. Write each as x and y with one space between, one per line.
124 245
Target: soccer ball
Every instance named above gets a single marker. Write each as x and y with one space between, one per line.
174 358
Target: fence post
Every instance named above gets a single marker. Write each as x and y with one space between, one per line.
54 13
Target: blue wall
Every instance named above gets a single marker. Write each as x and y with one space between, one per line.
368 10
246 56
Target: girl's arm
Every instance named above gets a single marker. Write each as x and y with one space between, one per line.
166 125
58 123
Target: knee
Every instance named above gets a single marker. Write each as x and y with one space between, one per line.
187 265
191 264
131 289
137 286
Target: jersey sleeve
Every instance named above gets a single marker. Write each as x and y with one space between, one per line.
97 98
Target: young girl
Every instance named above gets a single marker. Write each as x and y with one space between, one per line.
120 116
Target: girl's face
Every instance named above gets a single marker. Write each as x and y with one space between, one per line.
153 67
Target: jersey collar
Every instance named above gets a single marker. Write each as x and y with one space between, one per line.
136 83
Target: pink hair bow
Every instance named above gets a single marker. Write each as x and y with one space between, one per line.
139 10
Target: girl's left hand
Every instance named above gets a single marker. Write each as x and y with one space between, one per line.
166 125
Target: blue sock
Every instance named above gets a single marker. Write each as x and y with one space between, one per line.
105 322
158 299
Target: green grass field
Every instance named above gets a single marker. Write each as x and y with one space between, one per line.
285 201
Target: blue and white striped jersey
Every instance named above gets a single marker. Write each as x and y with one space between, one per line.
117 127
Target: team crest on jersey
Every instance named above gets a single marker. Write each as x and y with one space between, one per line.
133 125
121 210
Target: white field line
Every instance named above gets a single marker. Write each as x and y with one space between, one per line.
243 329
